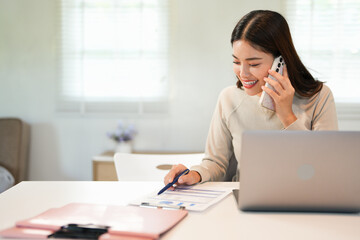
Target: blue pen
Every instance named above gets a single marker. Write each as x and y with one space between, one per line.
186 171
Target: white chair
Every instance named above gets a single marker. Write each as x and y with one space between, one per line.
150 167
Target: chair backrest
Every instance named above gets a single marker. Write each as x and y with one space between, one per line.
14 146
150 167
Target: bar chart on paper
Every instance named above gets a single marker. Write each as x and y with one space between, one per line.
192 198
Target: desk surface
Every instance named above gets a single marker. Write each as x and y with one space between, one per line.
222 221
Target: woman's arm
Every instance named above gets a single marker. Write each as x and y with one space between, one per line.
283 96
323 114
217 152
219 147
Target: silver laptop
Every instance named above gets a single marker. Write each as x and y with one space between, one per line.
300 171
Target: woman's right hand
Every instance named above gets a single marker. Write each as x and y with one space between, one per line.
189 179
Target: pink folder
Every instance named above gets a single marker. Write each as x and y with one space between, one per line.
125 222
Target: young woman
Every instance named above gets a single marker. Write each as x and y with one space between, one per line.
301 102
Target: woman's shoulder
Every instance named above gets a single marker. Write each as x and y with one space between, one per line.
324 96
325 92
325 89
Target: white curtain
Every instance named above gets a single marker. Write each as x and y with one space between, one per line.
327 36
113 56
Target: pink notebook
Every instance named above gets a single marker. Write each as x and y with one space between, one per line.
125 222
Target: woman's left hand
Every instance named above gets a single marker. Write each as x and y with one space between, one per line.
283 96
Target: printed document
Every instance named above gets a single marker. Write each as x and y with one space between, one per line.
192 198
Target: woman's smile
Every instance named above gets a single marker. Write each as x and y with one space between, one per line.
249 83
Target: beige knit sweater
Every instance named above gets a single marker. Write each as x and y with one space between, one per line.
236 112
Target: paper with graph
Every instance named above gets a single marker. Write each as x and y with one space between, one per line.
193 198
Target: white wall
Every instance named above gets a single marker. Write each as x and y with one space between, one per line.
62 145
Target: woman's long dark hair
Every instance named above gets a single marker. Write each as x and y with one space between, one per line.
269 32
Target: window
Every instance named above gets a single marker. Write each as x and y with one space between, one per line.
113 56
326 34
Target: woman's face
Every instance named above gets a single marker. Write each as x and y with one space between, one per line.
251 66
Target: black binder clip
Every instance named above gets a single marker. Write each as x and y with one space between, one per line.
82 231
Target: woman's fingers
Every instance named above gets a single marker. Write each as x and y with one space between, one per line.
175 170
275 84
269 91
282 96
282 84
282 79
189 179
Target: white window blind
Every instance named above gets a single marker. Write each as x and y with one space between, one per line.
113 56
326 35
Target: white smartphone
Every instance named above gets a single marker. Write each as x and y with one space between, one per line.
265 99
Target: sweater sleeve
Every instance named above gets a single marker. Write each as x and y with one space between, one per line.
324 115
218 148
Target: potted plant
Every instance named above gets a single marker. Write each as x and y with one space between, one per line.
123 137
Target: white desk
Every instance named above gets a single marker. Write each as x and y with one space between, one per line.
222 221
